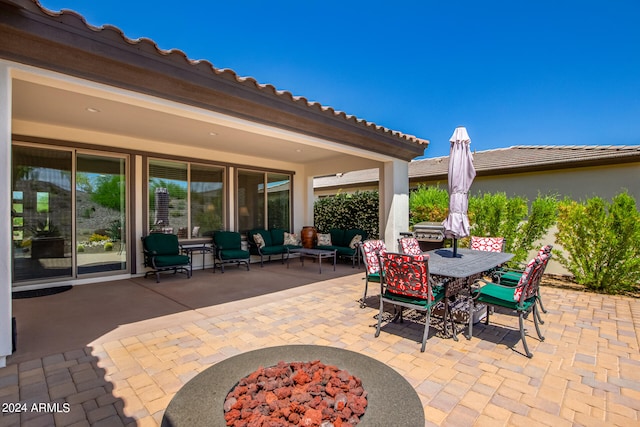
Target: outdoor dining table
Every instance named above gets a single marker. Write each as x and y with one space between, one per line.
460 272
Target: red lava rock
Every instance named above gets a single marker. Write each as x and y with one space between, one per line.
312 418
304 394
294 418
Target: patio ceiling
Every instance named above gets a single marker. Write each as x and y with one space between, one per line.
49 105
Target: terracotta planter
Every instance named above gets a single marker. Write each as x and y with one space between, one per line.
308 236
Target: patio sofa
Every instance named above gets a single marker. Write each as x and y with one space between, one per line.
344 242
275 241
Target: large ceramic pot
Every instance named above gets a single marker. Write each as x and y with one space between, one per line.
308 236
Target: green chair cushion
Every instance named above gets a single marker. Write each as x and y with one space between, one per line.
350 234
277 237
274 250
438 295
337 237
162 244
228 240
374 277
510 278
345 251
170 260
501 296
226 254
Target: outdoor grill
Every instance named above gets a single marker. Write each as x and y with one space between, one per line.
430 235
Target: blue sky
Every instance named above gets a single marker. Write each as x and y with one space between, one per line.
513 72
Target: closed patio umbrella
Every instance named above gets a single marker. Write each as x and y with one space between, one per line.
461 175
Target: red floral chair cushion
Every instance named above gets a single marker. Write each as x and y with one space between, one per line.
527 282
370 249
487 244
406 275
410 246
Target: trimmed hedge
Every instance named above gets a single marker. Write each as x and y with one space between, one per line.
345 211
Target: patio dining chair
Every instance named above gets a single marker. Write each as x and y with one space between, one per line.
369 250
520 298
409 246
511 276
405 283
487 244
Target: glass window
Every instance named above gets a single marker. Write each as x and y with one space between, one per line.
207 199
258 208
278 200
250 200
168 203
185 199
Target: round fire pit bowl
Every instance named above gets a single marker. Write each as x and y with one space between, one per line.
392 401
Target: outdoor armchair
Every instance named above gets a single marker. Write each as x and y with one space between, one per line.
369 250
162 253
404 282
227 246
520 298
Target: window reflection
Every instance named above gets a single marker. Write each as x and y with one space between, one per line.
185 199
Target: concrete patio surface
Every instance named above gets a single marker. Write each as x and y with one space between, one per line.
115 353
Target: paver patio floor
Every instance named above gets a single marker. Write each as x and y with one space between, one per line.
116 352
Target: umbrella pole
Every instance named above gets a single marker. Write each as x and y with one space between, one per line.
455 247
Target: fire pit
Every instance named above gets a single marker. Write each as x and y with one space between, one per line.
391 400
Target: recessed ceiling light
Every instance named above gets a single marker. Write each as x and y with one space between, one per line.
213 134
298 150
92 110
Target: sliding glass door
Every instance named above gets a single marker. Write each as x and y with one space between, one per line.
41 213
68 213
101 192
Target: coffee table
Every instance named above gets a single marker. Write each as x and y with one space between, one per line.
318 254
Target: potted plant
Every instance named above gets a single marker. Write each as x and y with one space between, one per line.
46 241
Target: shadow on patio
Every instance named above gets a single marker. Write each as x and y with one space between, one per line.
69 320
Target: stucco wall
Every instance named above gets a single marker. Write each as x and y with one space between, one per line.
575 183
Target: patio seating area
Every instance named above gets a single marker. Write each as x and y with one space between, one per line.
117 352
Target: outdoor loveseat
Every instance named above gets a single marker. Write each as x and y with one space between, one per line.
344 242
275 241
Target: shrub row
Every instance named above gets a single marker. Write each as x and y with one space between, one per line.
600 240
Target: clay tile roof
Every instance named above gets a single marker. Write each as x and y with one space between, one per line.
147 46
529 158
514 159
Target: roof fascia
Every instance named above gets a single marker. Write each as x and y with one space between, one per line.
65 43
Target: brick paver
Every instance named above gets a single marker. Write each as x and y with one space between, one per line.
586 372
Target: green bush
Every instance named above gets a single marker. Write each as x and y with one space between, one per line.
109 191
510 217
80 248
108 247
357 210
428 204
602 241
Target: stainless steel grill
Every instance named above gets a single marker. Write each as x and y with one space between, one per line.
430 235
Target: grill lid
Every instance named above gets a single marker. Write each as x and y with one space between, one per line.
429 231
